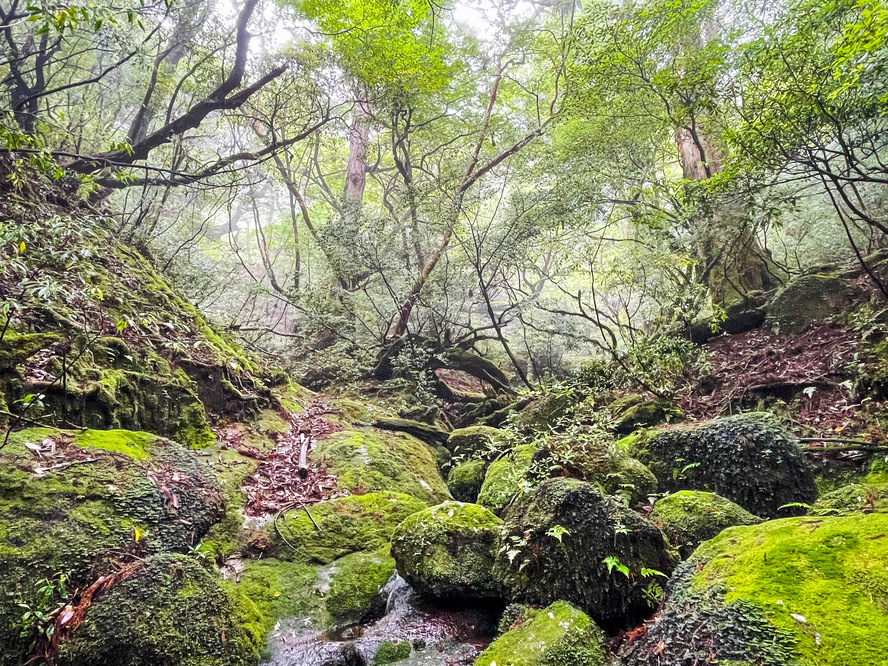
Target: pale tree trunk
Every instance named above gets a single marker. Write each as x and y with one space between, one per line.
356 170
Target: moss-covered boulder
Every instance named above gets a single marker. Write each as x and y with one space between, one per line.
506 477
475 441
749 459
559 635
806 299
465 480
170 612
279 589
566 540
795 591
447 552
635 411
690 517
88 500
372 460
853 498
339 526
628 479
546 412
354 594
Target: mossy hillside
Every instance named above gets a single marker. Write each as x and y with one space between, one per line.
115 494
355 588
347 525
466 479
132 352
558 541
853 498
690 517
372 460
447 551
830 571
559 635
506 478
171 612
749 459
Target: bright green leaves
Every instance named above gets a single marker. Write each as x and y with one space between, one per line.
383 42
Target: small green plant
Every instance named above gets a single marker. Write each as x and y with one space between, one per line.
50 597
613 562
557 532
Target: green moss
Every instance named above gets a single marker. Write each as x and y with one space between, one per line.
17 348
110 499
356 584
447 551
369 461
465 480
558 540
390 652
689 517
634 411
347 525
829 571
171 611
192 427
132 444
628 479
807 298
506 477
749 459
854 498
280 589
475 441
559 635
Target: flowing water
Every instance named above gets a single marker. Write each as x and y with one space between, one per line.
438 636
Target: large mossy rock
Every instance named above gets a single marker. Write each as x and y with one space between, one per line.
559 635
789 592
853 498
506 477
806 299
567 541
170 612
749 459
339 527
475 441
354 594
690 517
99 497
447 552
368 461
466 479
544 413
635 411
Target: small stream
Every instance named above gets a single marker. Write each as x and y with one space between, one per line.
438 636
